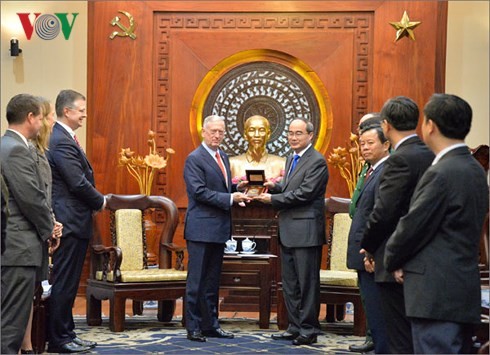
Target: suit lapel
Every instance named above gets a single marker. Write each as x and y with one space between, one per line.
214 165
301 162
371 180
69 138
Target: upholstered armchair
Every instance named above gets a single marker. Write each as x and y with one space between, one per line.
120 271
338 284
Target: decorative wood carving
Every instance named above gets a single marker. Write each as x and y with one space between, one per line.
148 83
169 24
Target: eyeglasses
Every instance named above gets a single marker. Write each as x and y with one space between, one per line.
297 134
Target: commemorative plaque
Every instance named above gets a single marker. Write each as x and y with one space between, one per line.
256 179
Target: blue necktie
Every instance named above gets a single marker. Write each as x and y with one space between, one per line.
293 165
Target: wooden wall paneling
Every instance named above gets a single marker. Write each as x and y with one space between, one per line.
409 67
334 45
137 85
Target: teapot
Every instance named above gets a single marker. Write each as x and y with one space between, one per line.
248 246
231 245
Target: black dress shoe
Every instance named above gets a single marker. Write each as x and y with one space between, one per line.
363 348
285 336
196 336
67 348
81 342
218 333
305 340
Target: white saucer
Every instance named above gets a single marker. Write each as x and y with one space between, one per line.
231 252
248 252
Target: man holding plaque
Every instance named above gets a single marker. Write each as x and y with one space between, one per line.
207 228
300 200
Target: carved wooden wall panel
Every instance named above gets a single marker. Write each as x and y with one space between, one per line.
335 46
149 82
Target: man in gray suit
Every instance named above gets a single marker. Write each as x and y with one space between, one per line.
435 248
30 222
300 199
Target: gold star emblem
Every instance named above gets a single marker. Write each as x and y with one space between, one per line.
405 27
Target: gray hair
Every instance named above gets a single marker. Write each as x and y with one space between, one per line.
212 118
66 98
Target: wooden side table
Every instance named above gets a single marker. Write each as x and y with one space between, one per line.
250 273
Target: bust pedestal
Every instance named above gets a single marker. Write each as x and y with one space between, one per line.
257 222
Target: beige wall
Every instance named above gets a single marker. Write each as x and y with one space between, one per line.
46 67
467 62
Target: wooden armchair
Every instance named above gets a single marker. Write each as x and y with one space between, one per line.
338 285
120 271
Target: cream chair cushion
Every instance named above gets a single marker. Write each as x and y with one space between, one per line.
129 232
339 274
147 275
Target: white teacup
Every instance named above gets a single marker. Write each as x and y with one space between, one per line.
230 245
248 246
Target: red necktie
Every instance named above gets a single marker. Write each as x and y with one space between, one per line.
221 166
368 174
78 142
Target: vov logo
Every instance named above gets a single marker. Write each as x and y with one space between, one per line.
47 26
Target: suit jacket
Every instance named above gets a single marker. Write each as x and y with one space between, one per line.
402 170
74 193
208 217
300 199
30 222
365 205
437 242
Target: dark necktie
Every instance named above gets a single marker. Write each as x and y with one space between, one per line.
293 165
221 166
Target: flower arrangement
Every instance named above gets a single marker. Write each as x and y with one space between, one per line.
143 169
349 161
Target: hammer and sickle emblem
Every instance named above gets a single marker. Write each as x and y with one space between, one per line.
126 32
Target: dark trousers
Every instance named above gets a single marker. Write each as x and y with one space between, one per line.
374 313
67 270
300 272
17 294
202 290
440 337
397 324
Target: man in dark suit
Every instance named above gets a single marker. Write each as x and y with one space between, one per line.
5 211
74 201
436 245
30 222
300 199
367 119
207 228
402 170
375 150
